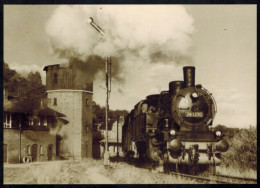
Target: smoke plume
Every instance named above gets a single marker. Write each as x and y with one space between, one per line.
147 44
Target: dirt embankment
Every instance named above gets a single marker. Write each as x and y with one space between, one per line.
83 172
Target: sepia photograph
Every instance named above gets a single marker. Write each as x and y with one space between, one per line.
129 94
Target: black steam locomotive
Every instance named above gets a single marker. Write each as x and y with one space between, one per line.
173 128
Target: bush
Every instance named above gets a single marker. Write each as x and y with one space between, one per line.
242 153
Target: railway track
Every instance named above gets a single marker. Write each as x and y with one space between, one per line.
236 179
218 178
212 178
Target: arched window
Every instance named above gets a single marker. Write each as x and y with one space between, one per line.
7 120
39 121
30 120
49 100
29 151
55 78
45 121
41 150
55 102
86 102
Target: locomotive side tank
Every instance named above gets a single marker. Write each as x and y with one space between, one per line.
172 128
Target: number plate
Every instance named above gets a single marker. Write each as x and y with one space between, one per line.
194 114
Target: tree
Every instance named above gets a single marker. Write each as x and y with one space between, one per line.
35 89
12 80
30 87
8 73
99 113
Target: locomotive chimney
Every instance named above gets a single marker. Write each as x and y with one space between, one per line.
175 87
189 76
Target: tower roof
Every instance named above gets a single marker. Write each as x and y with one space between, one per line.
46 67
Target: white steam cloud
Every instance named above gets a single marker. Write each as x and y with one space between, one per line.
149 41
24 70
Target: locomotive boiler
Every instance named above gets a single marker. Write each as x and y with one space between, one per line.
173 128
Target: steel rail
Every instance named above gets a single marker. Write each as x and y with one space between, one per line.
200 178
236 178
214 178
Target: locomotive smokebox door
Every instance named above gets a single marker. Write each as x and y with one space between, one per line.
192 106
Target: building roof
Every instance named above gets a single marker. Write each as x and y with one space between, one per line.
62 65
44 110
46 67
65 120
110 125
23 106
33 127
16 106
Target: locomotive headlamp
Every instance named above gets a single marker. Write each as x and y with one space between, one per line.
194 95
218 133
172 132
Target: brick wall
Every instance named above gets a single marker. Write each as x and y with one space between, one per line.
28 137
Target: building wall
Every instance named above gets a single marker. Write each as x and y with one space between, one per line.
71 85
87 125
112 134
67 77
112 148
28 137
77 134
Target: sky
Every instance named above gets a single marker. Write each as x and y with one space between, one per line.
149 46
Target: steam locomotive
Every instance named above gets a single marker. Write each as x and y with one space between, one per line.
173 129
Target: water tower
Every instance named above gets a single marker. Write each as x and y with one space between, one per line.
69 91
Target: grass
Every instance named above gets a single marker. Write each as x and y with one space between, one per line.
123 173
76 172
242 154
56 172
233 171
92 171
17 176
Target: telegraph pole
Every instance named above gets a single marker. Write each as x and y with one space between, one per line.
20 140
118 117
106 154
